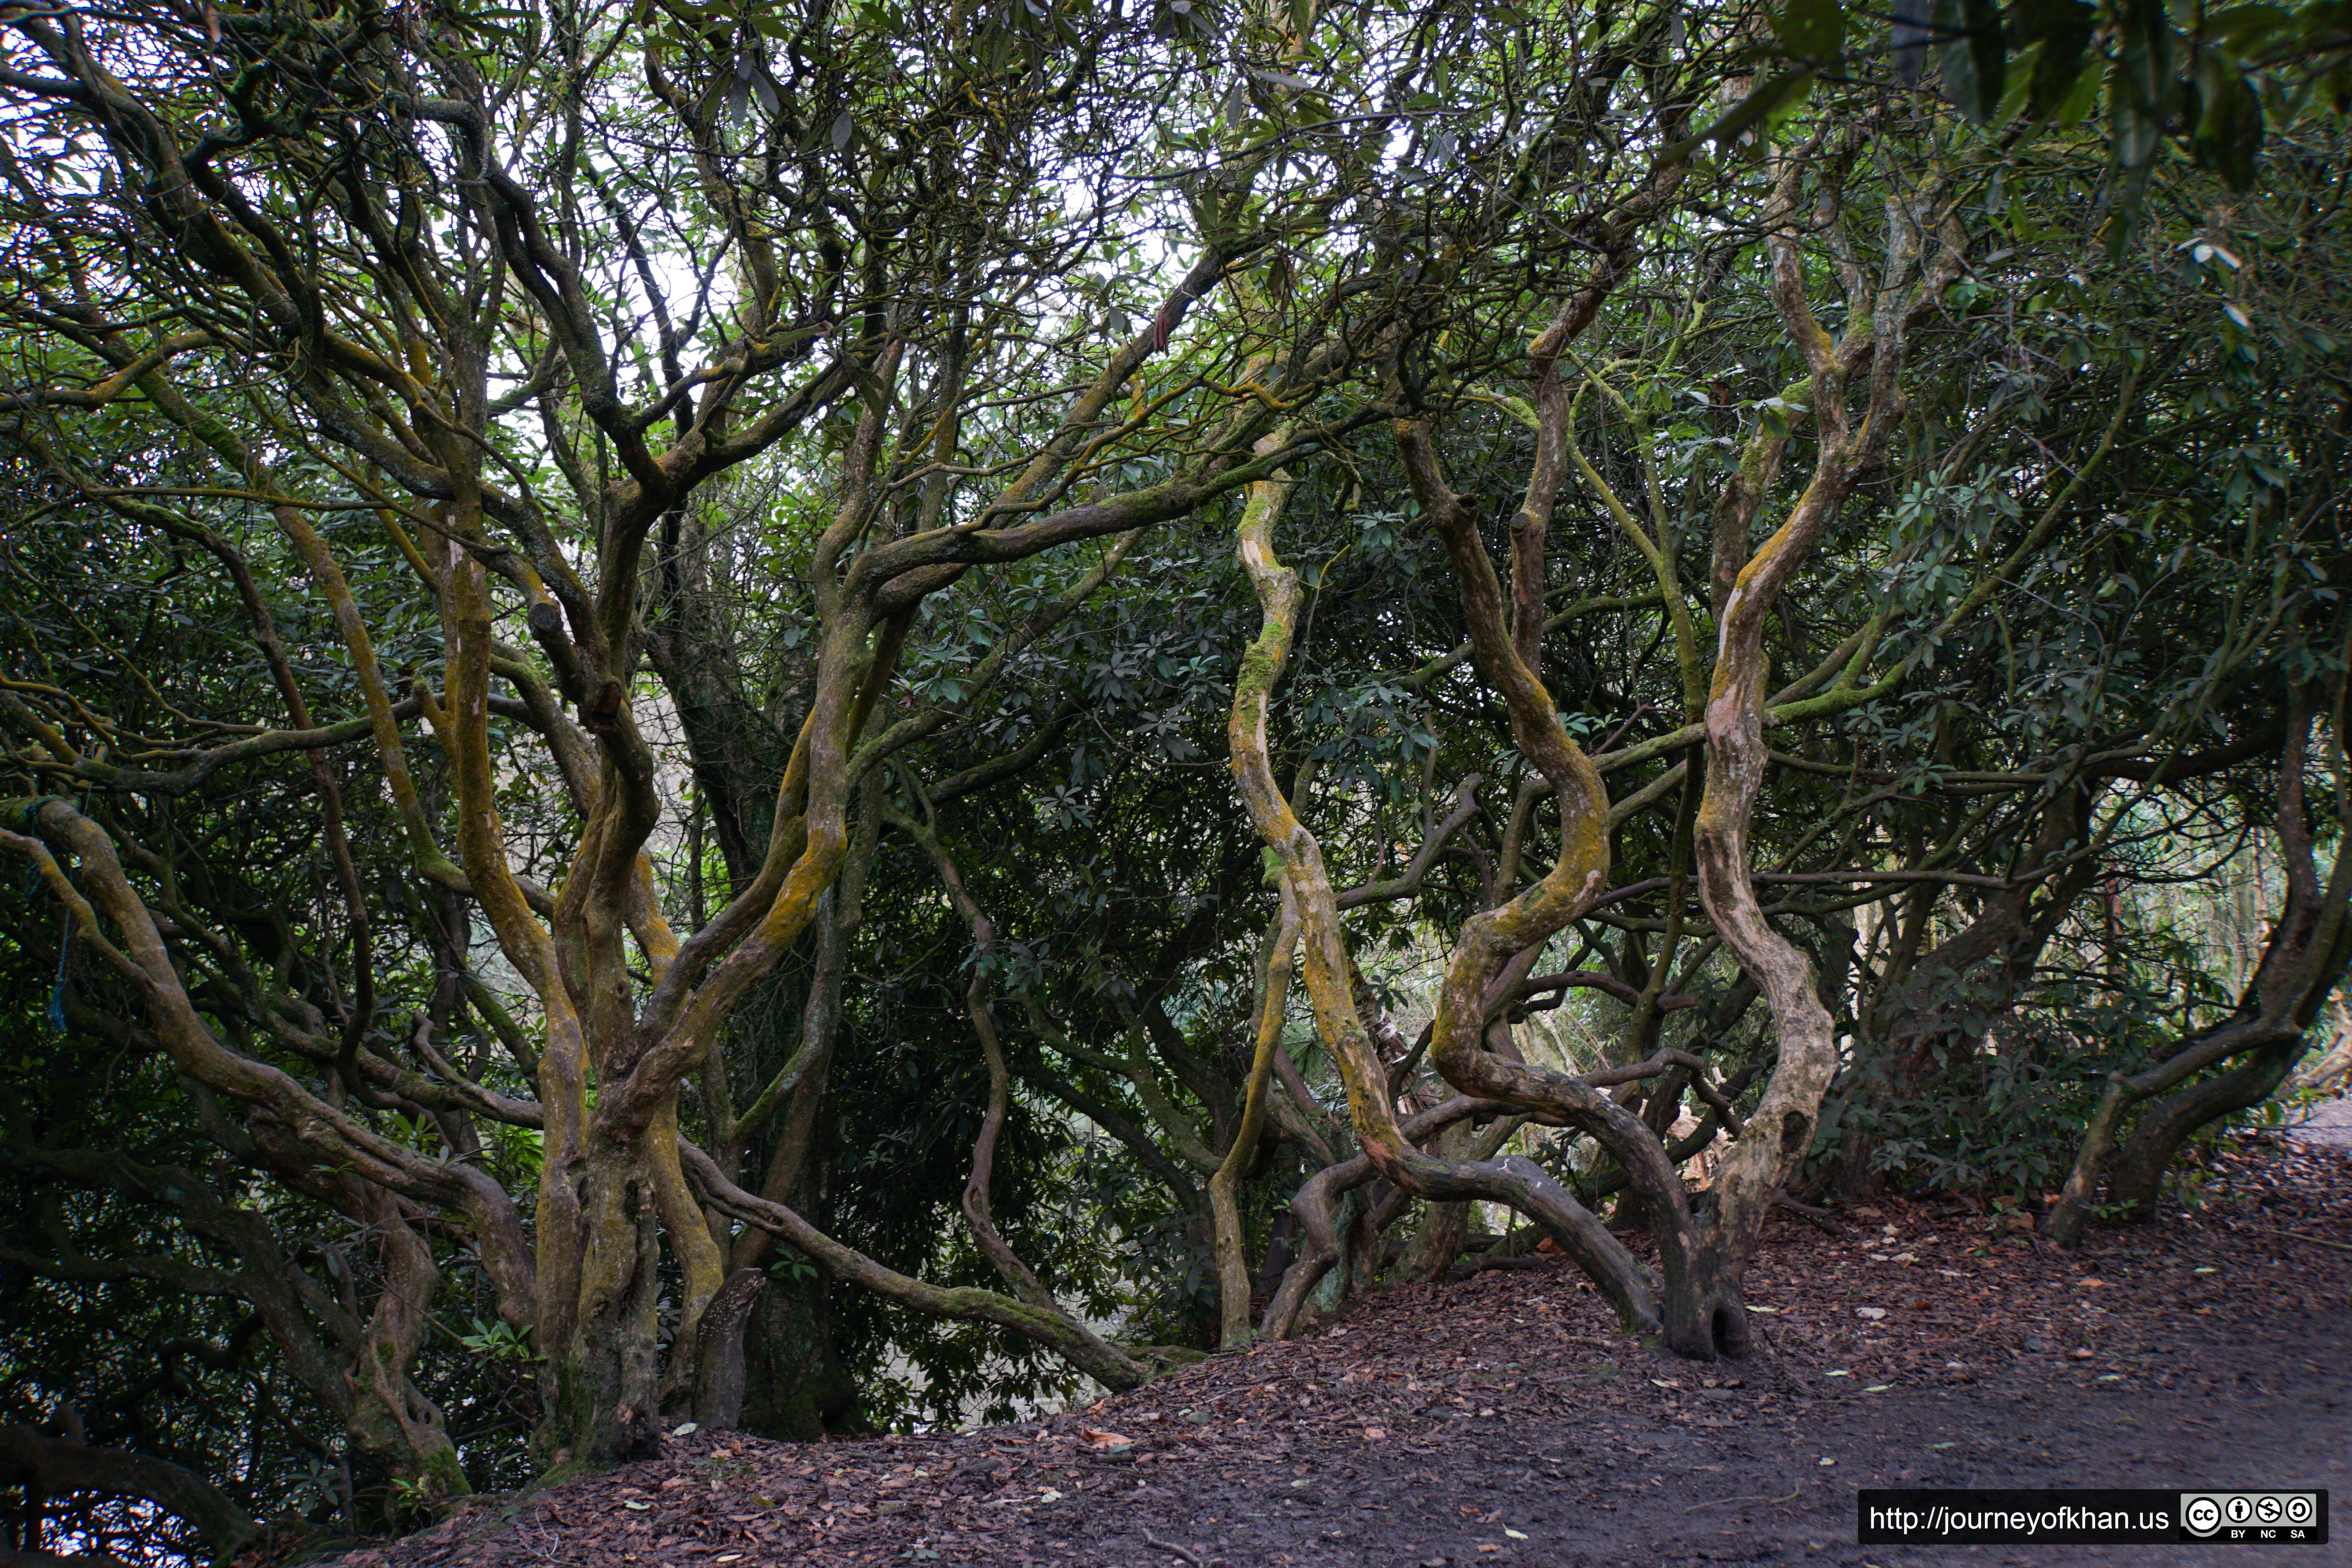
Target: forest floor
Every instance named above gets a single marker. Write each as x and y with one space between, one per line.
2329 1123
1503 1419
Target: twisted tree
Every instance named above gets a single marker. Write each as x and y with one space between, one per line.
703 699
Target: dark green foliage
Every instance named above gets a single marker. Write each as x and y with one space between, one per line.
2067 634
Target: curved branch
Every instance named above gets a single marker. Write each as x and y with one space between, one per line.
51 1466
1052 1329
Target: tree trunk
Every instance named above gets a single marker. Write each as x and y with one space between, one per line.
720 1375
1437 1240
1704 1317
2137 1177
605 1375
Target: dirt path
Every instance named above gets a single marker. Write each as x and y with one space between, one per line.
2327 1125
1501 1420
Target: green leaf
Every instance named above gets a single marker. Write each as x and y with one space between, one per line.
2083 98
2136 133
1973 58
2131 196
2143 84
2060 30
2245 29
1779 95
2229 136
2017 89
1811 29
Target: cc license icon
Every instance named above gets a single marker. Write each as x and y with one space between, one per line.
2202 1515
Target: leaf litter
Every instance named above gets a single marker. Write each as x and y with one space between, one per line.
1504 1419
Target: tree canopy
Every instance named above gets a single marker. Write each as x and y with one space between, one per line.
817 716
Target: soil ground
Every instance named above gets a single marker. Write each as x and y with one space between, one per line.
2329 1123
1504 1420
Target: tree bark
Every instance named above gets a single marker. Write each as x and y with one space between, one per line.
720 1375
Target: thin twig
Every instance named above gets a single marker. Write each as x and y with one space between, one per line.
1818 1218
1186 1552
2316 1241
1725 1501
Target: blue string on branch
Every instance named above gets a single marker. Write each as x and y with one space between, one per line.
30 811
58 993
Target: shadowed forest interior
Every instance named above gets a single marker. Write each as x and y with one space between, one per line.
827 716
